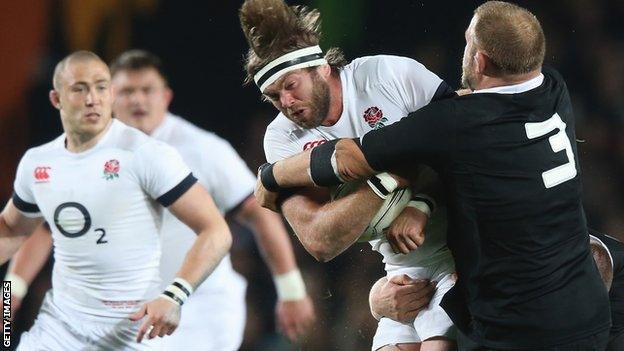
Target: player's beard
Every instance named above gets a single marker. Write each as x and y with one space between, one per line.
467 78
318 106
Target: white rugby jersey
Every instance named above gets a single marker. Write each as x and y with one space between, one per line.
104 206
225 176
377 91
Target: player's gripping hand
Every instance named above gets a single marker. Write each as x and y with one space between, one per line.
295 317
162 317
407 231
401 298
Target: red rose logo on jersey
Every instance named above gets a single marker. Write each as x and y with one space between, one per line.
374 117
111 170
41 174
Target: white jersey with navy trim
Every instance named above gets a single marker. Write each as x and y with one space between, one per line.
225 176
104 206
377 91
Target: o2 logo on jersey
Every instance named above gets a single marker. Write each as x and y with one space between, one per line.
374 117
73 220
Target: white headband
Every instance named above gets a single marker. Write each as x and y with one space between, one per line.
302 58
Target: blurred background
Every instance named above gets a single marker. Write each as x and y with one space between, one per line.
202 46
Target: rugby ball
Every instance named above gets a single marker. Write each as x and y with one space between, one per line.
389 210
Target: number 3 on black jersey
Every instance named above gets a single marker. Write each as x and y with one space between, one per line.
558 142
70 227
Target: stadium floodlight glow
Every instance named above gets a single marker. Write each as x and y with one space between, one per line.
302 58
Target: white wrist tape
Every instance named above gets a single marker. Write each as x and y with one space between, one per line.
178 291
185 284
420 205
19 287
290 286
383 184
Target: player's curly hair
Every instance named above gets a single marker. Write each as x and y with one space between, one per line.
273 29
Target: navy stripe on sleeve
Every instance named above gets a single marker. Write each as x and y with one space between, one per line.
177 191
24 206
444 91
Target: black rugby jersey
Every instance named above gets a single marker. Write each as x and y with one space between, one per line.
517 227
616 294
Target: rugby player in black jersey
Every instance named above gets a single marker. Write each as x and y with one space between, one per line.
518 233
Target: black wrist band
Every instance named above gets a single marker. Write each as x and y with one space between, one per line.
267 178
181 287
321 169
173 296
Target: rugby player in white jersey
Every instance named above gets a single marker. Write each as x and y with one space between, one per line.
103 187
214 316
320 99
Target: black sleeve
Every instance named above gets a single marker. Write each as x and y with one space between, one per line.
425 136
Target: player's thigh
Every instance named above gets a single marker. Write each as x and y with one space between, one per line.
438 344
391 333
210 322
433 323
49 332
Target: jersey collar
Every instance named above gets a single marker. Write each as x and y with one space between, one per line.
516 88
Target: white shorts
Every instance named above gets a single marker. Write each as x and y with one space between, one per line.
56 330
211 320
430 322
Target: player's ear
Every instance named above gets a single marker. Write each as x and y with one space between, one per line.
481 62
168 96
324 70
55 99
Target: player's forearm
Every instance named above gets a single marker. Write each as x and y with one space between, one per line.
271 237
8 247
12 235
327 230
319 167
209 248
28 261
293 171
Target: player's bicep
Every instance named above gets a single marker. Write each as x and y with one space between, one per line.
197 210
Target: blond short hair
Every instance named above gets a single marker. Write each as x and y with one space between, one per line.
82 55
511 36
